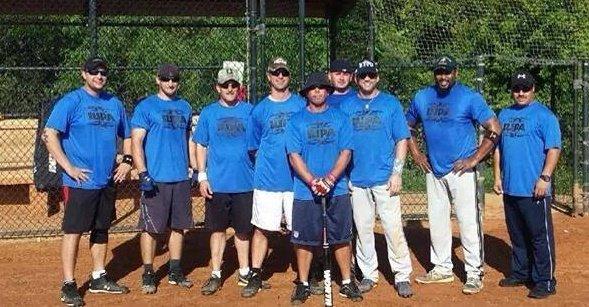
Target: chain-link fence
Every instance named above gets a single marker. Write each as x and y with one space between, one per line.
43 45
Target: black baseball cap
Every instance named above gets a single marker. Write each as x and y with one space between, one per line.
445 64
522 79
365 67
316 79
94 63
169 71
342 65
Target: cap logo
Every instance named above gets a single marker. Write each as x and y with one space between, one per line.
366 63
444 61
521 76
280 61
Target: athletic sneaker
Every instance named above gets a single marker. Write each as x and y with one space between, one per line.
243 279
70 295
540 292
148 283
433 277
178 278
104 284
366 285
473 285
404 289
317 286
511 282
351 291
254 285
300 294
211 286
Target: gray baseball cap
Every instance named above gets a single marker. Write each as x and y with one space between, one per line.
226 75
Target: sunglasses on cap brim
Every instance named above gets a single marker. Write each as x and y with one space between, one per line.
371 75
520 88
284 72
167 79
97 71
233 84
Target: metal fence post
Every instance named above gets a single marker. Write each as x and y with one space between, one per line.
93 27
585 77
302 41
252 15
481 166
370 45
577 86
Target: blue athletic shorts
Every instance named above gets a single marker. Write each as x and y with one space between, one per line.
307 221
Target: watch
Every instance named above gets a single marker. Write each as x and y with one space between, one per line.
546 178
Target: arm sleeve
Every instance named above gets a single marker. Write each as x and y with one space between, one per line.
201 134
294 141
412 115
480 110
346 131
62 113
550 132
140 117
400 128
254 129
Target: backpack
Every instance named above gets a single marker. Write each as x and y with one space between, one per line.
47 174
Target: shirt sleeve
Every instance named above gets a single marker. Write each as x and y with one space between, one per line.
346 133
400 127
62 113
412 114
480 110
123 130
294 140
550 132
254 129
201 134
140 117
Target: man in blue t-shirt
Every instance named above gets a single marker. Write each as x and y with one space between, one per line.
447 111
160 128
319 146
81 134
273 181
524 163
380 147
340 76
225 175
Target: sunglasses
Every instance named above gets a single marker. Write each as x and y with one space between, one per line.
284 72
95 72
226 85
442 72
371 75
321 87
166 79
519 88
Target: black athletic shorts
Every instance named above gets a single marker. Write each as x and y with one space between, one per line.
169 206
226 210
86 209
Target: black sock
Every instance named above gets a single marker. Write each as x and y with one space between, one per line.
148 267
175 265
256 271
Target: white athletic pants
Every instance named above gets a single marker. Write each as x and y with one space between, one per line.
366 203
461 191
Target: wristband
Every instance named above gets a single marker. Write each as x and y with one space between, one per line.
202 176
128 159
398 166
331 177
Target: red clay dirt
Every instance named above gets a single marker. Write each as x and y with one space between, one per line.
31 271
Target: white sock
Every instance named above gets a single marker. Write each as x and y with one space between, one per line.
305 283
346 281
244 271
97 274
216 273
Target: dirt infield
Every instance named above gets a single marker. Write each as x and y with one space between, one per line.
31 271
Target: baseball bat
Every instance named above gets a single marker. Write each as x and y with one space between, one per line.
326 256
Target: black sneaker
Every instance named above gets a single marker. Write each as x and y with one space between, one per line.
104 284
300 294
70 295
212 285
148 283
511 282
242 280
254 285
178 278
540 292
351 291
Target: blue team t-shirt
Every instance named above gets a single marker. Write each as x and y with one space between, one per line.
528 132
378 123
319 138
335 100
223 130
448 123
266 135
89 127
167 123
